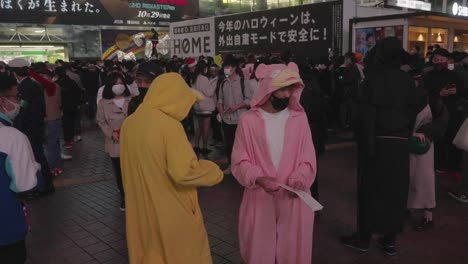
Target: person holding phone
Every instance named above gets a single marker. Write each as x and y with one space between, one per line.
444 84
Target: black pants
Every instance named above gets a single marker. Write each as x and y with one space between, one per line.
69 123
447 156
78 121
314 189
229 137
92 107
216 127
13 253
118 175
38 150
383 189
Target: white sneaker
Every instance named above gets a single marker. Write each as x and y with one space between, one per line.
66 157
78 138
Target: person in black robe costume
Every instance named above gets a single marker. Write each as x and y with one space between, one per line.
387 109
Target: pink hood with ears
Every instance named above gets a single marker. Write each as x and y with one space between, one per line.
274 77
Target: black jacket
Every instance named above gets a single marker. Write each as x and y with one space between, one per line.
314 103
90 81
136 101
433 82
71 94
30 120
387 106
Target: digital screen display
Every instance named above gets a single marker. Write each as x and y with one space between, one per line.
97 12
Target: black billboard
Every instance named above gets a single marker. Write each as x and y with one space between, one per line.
97 12
308 30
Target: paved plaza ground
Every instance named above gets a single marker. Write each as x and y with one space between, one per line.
81 222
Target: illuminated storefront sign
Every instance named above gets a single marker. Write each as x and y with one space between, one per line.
412 4
459 10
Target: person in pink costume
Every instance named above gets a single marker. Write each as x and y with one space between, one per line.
275 227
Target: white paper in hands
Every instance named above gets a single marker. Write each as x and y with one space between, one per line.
307 198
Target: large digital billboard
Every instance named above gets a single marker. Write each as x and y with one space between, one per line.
97 12
310 31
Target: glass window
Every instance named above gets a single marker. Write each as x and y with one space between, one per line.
418 36
460 40
439 36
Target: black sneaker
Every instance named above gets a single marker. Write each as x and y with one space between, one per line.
424 225
388 248
354 243
122 206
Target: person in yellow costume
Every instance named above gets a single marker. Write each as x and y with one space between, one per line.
160 175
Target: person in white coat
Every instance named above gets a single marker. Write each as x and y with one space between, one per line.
205 108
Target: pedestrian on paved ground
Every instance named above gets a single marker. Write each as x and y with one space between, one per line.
217 133
53 99
274 146
205 108
431 123
460 193
445 84
30 120
146 73
161 174
314 103
90 78
387 113
234 97
112 111
71 100
18 170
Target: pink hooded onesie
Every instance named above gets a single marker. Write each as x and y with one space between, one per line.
275 228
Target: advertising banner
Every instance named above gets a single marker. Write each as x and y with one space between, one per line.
193 38
411 4
366 38
97 12
308 30
124 42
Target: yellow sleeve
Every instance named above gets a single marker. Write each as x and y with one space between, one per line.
182 164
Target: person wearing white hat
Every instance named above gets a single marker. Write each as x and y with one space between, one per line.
31 118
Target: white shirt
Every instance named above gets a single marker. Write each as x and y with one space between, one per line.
275 124
119 102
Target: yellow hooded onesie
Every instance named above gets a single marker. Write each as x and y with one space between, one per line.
160 174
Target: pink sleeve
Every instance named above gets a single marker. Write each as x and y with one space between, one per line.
306 169
243 169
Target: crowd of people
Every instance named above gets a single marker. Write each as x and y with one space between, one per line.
161 120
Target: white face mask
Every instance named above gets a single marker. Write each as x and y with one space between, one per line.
118 89
451 66
12 114
227 71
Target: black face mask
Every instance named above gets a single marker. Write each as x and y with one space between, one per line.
143 91
279 104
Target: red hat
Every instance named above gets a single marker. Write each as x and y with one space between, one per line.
191 62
